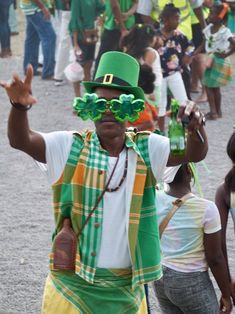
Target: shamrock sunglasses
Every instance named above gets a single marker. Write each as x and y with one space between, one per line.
125 108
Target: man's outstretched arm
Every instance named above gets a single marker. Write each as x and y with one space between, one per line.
19 133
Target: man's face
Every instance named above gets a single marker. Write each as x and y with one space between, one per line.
108 126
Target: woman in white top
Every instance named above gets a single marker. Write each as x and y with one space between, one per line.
139 44
190 244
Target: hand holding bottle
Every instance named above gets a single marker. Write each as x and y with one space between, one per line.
191 116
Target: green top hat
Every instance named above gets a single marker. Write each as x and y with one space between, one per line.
117 70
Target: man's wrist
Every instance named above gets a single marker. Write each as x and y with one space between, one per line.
19 106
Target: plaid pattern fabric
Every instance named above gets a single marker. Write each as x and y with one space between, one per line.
220 74
75 295
76 192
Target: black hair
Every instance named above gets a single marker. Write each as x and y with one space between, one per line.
139 38
169 10
230 176
218 8
146 78
181 174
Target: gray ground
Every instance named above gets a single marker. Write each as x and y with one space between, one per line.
26 218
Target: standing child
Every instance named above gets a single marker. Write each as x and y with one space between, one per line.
219 44
139 44
175 52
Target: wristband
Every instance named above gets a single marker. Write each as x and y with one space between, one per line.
19 106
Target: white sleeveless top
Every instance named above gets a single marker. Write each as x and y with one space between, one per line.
156 67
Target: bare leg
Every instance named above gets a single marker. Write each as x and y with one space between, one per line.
161 123
77 90
218 101
87 77
195 78
200 68
87 71
211 94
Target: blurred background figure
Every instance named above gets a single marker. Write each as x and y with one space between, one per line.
139 43
231 15
83 29
198 64
148 118
64 44
119 19
39 29
175 54
5 31
13 22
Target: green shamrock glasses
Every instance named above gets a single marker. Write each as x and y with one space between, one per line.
126 108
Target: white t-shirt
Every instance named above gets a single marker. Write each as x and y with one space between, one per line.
217 42
114 249
156 67
182 240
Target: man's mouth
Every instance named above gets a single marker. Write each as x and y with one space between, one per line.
108 120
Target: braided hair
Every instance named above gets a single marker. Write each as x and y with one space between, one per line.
139 38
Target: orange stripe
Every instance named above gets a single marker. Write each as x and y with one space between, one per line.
78 174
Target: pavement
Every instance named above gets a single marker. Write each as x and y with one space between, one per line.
26 217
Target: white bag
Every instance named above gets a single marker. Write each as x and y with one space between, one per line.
74 72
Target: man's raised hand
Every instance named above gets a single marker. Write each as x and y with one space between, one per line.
20 91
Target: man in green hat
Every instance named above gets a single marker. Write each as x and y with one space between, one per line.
106 241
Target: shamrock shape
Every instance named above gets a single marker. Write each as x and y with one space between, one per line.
126 108
88 107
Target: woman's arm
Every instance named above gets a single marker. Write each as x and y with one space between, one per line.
217 264
221 201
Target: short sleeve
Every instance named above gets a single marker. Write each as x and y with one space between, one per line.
159 150
58 146
144 7
211 221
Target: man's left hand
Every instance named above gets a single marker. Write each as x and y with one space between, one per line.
191 116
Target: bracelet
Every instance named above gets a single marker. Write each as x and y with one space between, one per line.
19 106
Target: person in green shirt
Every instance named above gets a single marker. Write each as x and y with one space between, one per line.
83 16
119 18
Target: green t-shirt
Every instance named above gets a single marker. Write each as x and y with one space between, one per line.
60 5
110 23
84 14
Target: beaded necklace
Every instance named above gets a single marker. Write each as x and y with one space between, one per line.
123 176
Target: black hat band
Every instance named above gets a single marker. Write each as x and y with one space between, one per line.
111 79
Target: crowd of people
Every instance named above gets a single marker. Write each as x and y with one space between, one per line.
115 231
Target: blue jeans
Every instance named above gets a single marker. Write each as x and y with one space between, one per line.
186 293
38 30
5 32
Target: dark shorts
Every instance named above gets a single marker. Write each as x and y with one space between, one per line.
88 53
197 35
